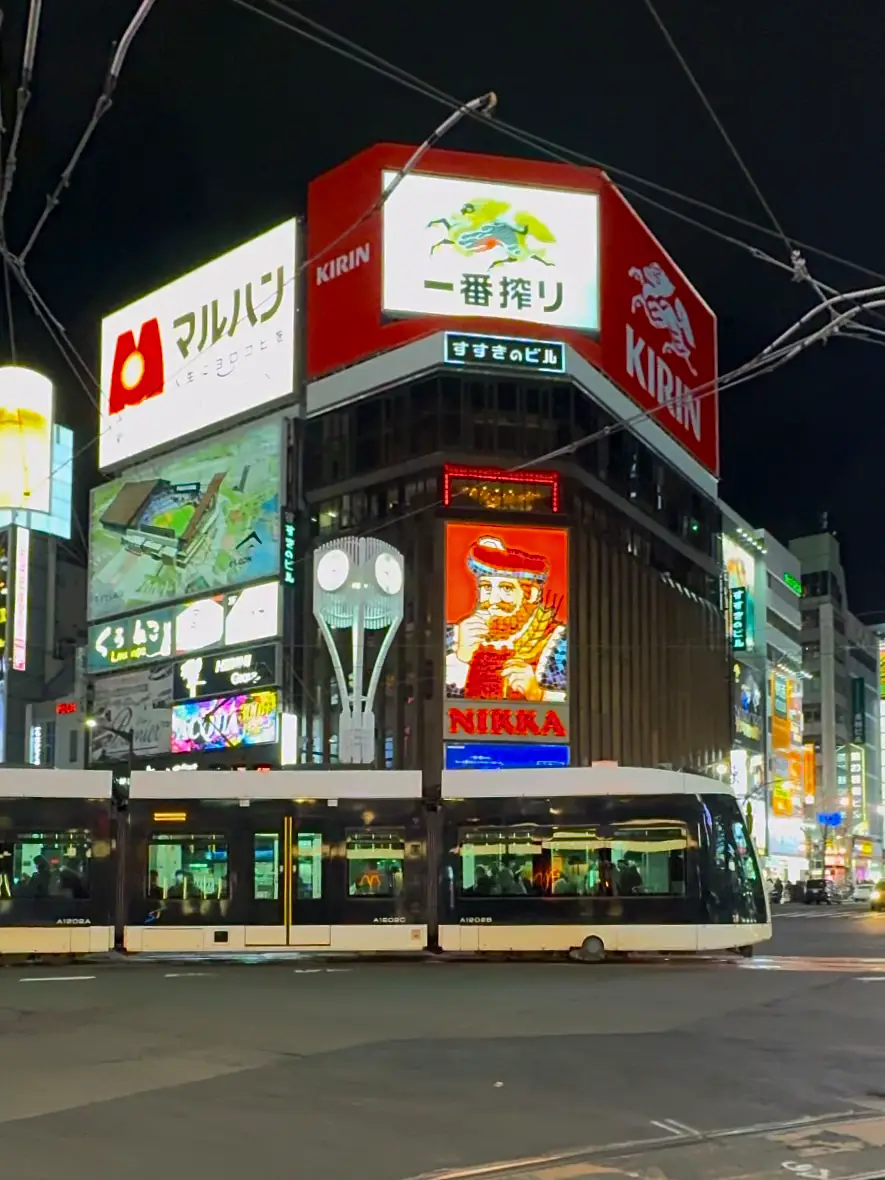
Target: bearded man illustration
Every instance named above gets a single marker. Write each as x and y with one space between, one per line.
512 646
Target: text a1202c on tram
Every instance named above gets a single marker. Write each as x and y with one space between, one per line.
589 860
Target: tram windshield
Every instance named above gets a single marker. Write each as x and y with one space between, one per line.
44 865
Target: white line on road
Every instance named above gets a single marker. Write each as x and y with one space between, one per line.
54 978
683 1127
869 979
667 1126
188 975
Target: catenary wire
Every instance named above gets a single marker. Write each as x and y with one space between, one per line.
720 126
357 53
7 286
22 98
102 106
738 375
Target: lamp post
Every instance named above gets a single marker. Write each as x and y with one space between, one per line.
357 584
127 735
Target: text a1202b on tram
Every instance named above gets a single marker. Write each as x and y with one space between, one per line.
593 861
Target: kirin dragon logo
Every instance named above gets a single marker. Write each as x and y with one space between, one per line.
665 310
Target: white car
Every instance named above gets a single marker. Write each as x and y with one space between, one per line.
863 891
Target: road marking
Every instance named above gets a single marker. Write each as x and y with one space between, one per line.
188 975
811 963
869 979
54 978
683 1127
667 1126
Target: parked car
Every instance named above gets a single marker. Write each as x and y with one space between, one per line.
817 890
862 891
877 897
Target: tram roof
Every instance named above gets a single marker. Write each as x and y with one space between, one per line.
33 782
577 780
276 784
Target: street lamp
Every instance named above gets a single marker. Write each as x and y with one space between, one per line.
127 735
357 586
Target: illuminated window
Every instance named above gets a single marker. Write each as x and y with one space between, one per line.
266 866
44 866
309 866
375 863
641 859
187 868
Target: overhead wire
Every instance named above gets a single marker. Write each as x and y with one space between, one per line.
102 106
22 98
755 367
360 55
7 286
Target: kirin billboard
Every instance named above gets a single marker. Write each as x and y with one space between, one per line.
471 241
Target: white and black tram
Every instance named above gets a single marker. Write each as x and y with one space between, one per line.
57 862
282 860
605 859
591 860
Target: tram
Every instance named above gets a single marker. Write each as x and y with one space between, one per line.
235 862
590 861
57 864
598 860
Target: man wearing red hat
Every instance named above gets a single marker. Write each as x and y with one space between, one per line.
512 647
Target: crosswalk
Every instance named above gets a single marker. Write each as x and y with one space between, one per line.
869 969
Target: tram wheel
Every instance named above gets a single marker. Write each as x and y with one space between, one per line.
746 952
592 950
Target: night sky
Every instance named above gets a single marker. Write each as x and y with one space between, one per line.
221 118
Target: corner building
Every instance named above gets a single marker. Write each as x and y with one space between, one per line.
554 612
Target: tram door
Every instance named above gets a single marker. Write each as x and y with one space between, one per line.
290 885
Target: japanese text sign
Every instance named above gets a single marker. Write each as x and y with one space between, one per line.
455 247
201 350
539 356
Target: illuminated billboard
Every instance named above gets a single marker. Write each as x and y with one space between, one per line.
739 567
26 407
749 706
140 701
57 521
218 621
465 242
208 347
506 613
455 247
227 620
230 672
243 720
204 518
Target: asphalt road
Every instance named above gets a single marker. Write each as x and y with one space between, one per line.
385 1071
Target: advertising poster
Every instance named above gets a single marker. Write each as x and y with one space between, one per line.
202 519
57 521
506 613
26 404
243 720
208 347
749 701
455 247
140 701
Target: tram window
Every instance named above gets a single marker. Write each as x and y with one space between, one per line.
309 866
187 868
266 866
632 860
375 863
503 863
46 865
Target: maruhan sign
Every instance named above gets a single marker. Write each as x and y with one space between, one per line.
656 377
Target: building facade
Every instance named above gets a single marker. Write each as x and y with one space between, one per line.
761 596
841 712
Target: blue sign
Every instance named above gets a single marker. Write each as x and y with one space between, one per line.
506 756
829 819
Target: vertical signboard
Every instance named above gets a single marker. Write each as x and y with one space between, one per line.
739 568
20 600
4 627
858 710
506 646
857 776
